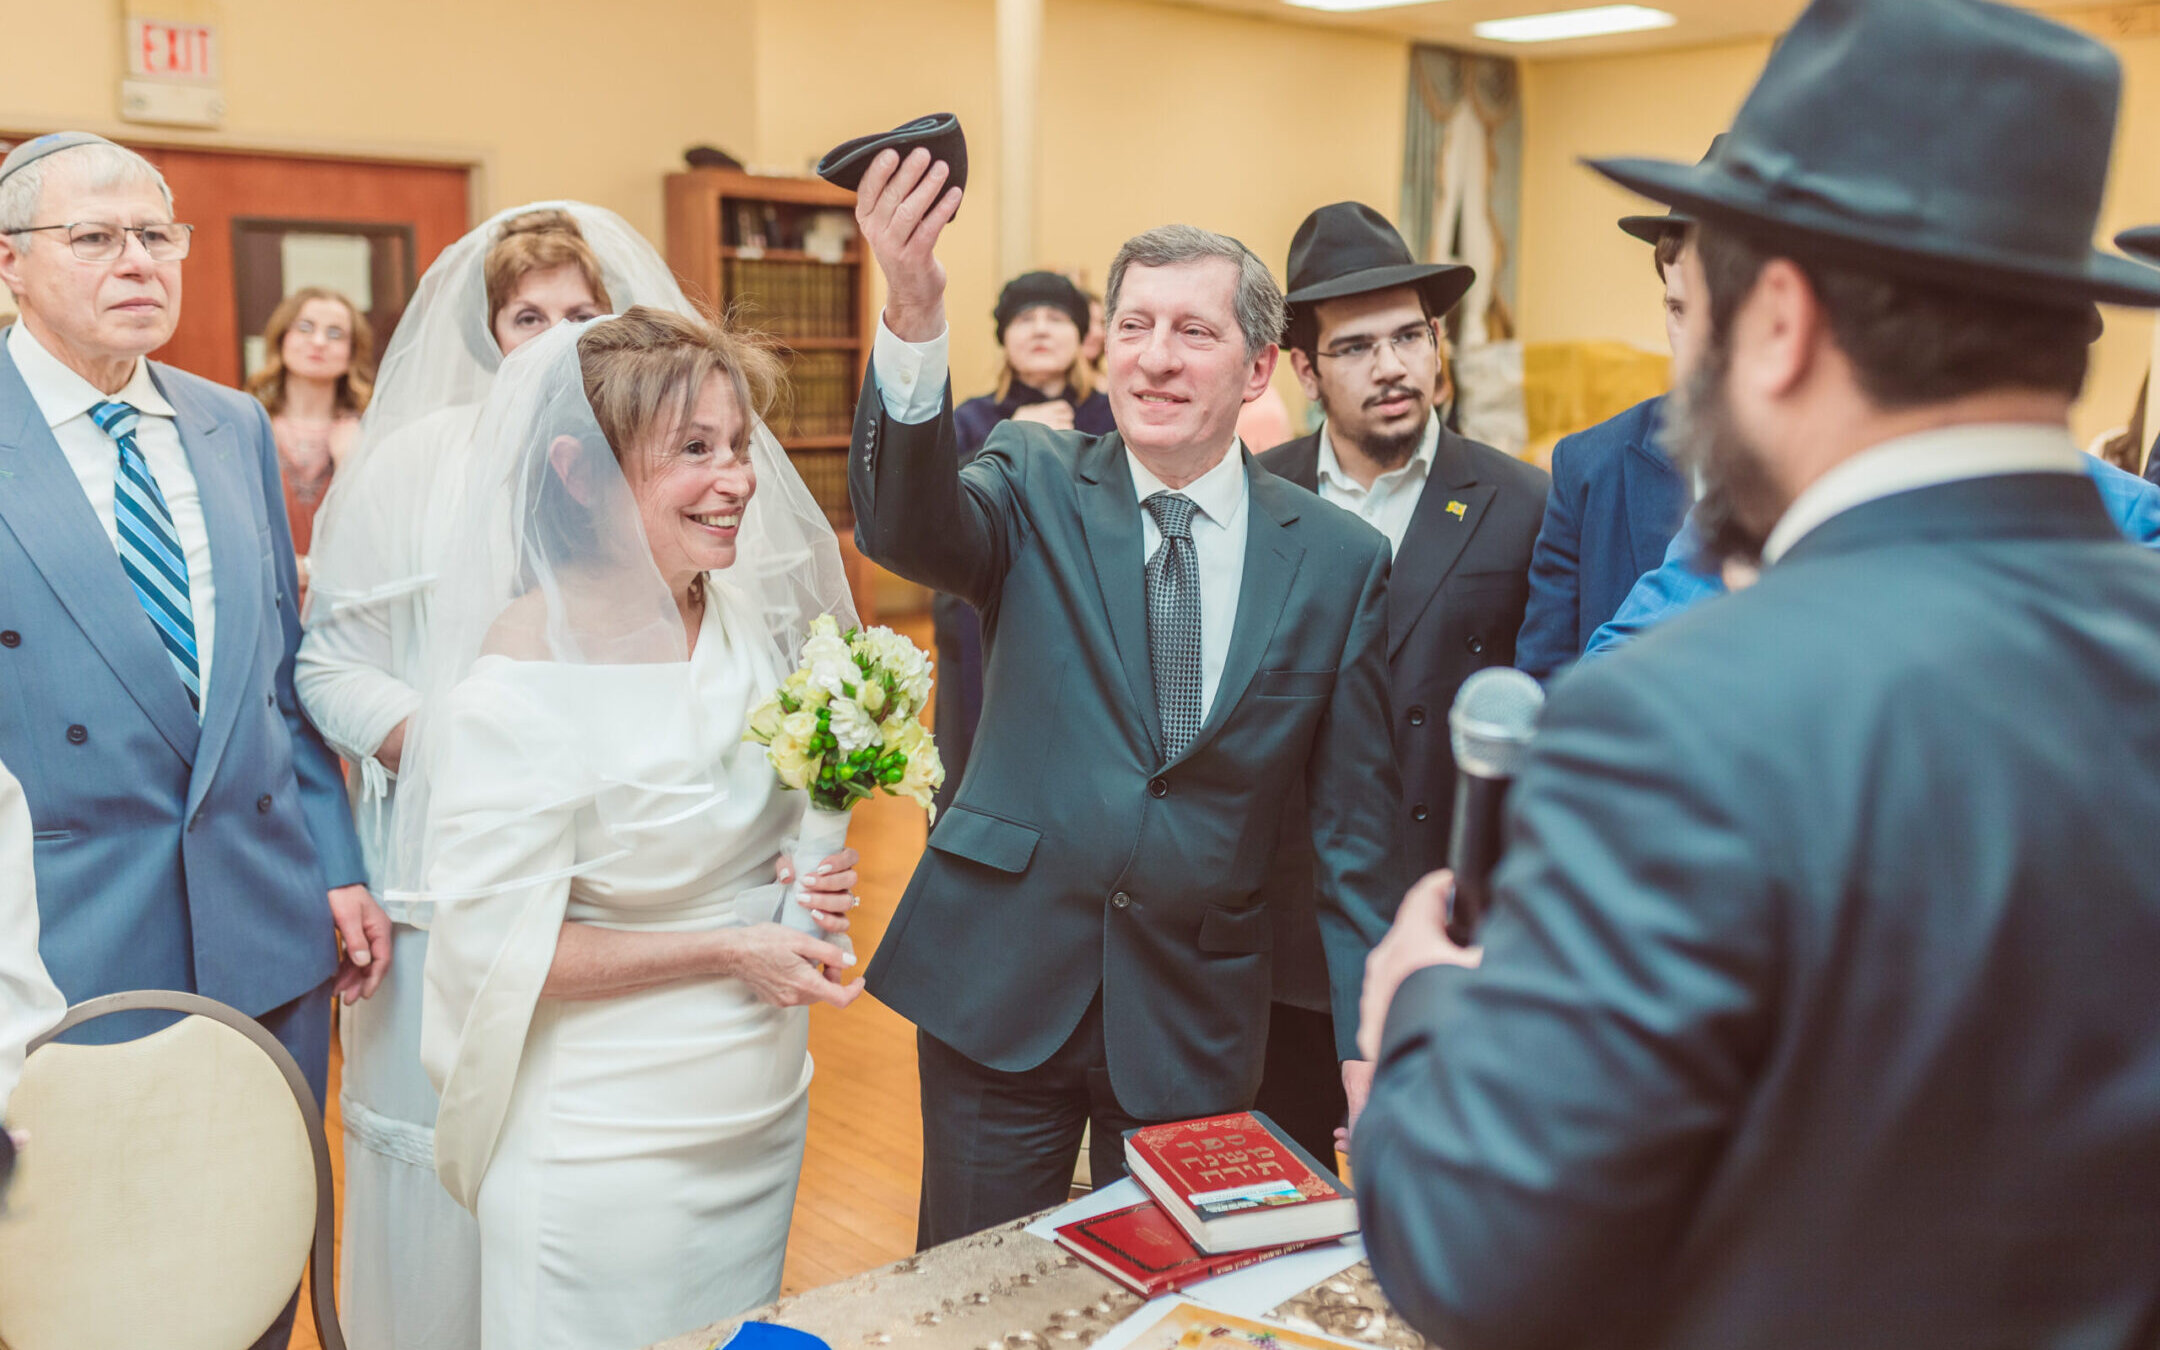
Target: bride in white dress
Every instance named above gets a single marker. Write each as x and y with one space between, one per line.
617 1027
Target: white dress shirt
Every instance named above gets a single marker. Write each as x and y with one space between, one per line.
29 1002
911 381
65 399
1393 498
1928 459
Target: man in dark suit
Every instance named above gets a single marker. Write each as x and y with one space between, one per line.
1364 338
1173 639
1616 499
1817 1007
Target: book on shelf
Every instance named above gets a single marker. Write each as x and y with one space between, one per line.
1237 1181
1140 1248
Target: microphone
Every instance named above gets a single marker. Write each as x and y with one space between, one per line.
1489 727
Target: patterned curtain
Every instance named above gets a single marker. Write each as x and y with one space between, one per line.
1462 202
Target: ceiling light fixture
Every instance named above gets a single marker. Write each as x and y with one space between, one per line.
1602 21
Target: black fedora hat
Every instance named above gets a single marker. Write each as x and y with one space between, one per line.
1651 229
1350 249
2141 242
845 164
1958 142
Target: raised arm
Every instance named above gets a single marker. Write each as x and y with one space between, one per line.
914 513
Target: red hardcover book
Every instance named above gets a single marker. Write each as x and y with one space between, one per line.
1139 1247
1237 1181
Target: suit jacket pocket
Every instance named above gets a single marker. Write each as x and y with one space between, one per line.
1237 930
1296 683
997 844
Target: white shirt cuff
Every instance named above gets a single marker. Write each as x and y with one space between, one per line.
910 375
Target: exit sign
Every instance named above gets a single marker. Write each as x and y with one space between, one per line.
172 51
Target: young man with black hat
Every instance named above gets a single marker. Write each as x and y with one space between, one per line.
1616 499
1364 338
1817 1006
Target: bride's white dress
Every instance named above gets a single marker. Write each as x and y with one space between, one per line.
632 1160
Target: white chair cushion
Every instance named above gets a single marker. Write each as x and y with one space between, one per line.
167 1196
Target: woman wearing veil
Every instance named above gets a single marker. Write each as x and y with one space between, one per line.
409 1253
617 1025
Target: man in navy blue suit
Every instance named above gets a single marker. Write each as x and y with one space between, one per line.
1816 1006
1616 499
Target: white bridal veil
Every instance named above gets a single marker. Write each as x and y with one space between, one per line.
547 562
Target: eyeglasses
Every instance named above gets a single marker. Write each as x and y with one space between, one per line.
329 332
1406 344
99 241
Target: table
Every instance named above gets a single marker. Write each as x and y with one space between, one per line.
1005 1289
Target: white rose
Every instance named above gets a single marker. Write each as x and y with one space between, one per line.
852 727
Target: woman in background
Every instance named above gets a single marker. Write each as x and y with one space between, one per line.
314 382
1045 377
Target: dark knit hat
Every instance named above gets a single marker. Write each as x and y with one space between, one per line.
1032 289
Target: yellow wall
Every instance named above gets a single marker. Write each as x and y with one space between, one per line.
556 100
1149 114
1583 279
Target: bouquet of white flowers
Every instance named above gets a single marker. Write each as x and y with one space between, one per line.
842 728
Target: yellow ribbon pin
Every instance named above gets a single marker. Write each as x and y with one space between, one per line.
1456 509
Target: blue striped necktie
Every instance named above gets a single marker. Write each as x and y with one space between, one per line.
150 549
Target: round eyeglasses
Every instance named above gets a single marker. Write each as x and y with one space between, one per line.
101 241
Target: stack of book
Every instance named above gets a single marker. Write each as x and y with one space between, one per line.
792 298
1224 1193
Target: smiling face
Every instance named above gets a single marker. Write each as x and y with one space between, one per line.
1179 370
319 345
1040 346
692 484
541 299
93 313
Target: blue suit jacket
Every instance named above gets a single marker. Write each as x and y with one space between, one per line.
1817 1006
1678 584
1616 502
170 853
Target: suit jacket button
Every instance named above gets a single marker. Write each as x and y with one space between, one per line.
1476 645
1419 812
1158 788
1120 900
1417 717
10 638
78 733
262 805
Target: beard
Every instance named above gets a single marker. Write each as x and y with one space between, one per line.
1388 449
1740 502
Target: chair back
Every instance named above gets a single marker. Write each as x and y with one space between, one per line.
174 1189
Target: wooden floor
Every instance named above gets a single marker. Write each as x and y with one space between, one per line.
856 1206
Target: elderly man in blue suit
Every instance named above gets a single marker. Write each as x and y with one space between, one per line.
1816 1007
1616 499
191 829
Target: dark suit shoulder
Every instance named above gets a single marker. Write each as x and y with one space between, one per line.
1505 471
1322 524
1297 460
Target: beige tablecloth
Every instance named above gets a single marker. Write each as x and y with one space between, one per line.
1006 1290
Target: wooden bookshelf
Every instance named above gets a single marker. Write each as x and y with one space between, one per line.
781 255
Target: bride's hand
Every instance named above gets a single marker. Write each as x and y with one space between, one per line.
786 968
827 891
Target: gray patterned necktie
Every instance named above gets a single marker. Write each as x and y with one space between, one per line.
1173 621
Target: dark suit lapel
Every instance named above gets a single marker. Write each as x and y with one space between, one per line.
1448 512
1646 477
1110 517
43 506
1271 565
236 564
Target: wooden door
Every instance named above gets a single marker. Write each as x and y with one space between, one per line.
241 203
